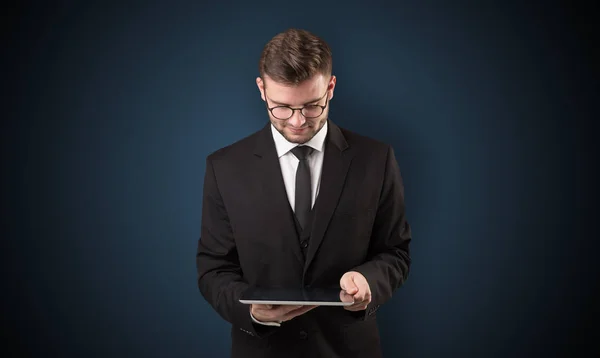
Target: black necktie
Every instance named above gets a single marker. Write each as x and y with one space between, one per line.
303 193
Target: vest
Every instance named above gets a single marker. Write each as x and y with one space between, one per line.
304 234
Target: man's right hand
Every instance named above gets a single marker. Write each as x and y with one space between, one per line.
278 313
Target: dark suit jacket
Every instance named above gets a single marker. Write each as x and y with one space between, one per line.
248 237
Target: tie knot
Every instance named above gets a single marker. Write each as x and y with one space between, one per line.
301 152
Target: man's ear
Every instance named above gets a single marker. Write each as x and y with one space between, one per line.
261 87
331 86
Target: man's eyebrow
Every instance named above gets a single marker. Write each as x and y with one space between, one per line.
285 104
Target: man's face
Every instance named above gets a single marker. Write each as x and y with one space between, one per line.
317 90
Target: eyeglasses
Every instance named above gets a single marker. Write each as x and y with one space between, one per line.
308 111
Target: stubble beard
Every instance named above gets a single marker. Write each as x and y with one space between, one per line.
301 140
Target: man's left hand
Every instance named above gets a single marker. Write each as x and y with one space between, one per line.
356 285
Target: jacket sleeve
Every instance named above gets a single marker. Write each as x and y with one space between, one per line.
388 263
220 278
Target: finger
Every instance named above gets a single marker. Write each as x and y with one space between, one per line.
362 296
300 309
269 310
263 306
347 284
360 304
356 304
290 308
274 314
264 314
364 292
295 313
357 307
285 309
344 297
351 288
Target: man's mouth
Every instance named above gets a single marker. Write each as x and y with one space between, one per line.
298 130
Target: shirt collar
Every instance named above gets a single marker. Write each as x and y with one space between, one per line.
283 146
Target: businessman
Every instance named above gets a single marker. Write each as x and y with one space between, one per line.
302 202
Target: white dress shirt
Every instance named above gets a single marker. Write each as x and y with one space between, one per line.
289 165
289 162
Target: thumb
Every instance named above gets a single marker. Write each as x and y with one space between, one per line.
347 284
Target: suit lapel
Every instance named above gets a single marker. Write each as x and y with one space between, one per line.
268 172
336 162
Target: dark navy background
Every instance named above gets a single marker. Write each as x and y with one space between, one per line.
112 109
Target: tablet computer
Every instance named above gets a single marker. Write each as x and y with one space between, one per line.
296 296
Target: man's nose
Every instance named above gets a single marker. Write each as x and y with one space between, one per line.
297 119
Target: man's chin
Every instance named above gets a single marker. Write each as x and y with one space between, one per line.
297 138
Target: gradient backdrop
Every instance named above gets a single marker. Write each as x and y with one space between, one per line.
112 110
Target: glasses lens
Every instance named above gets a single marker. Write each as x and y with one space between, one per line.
282 112
312 111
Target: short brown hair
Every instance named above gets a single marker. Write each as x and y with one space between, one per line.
294 56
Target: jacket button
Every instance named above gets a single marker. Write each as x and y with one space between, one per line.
304 244
303 335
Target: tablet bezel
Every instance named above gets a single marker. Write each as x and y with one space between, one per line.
295 296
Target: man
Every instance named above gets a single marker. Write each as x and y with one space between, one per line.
301 203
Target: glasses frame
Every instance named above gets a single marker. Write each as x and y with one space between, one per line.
294 109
